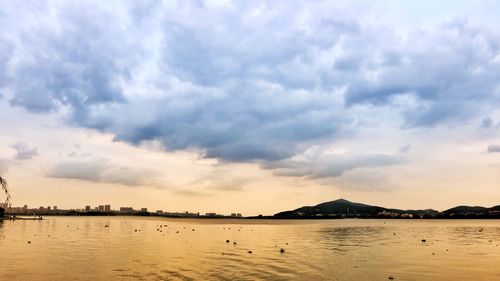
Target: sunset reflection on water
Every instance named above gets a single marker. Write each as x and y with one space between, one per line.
137 248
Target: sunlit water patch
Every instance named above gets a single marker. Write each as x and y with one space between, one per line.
141 248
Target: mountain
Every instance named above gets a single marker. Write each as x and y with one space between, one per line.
495 208
343 208
340 207
472 212
467 210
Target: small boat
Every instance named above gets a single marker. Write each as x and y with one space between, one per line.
38 218
27 218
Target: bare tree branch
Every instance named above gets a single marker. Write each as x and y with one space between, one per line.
5 188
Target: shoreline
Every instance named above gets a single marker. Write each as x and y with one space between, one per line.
40 217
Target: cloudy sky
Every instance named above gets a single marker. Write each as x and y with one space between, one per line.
250 106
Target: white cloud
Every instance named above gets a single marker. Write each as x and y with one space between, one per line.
102 171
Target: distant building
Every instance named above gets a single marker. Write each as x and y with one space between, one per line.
55 208
389 214
144 209
237 215
107 208
48 208
25 207
101 208
126 209
159 211
87 208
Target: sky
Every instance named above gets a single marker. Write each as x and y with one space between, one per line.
250 106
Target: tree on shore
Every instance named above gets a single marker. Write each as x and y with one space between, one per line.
5 188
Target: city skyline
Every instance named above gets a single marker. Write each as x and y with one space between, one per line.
221 106
336 209
106 209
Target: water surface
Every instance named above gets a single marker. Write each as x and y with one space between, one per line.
142 248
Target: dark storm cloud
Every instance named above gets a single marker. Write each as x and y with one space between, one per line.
6 50
77 62
244 82
24 152
256 123
451 72
489 124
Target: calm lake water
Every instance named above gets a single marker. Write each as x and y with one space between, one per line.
110 248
